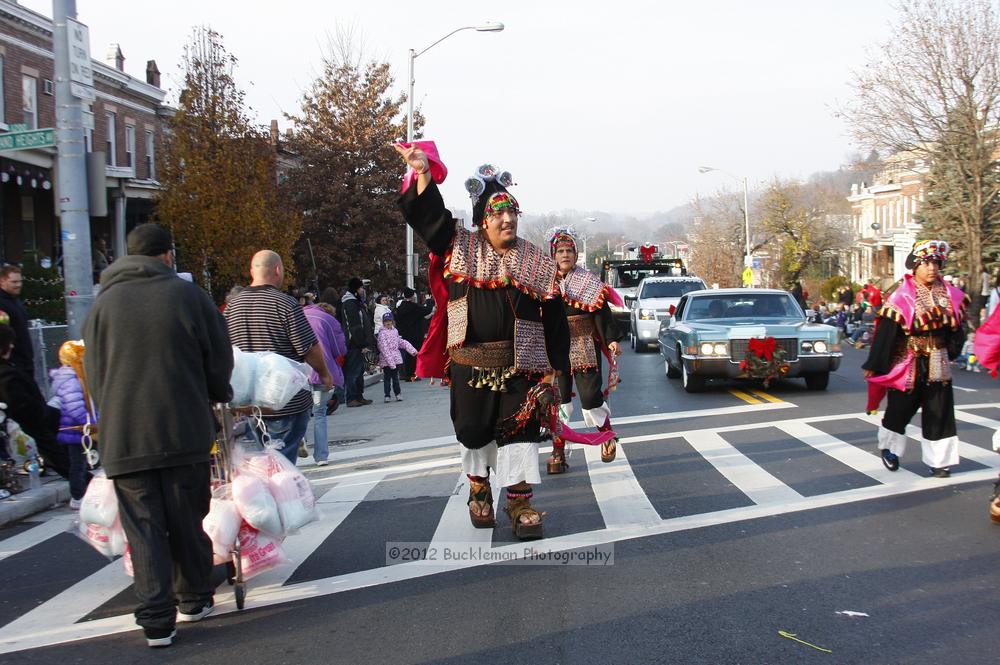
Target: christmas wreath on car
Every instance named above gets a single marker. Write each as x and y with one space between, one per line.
764 360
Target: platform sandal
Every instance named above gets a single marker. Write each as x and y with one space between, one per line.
557 461
519 505
995 504
480 492
609 450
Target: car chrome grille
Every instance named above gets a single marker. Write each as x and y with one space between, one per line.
738 348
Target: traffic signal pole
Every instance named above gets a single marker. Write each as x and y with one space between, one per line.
71 167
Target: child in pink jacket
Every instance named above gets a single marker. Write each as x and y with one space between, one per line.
389 356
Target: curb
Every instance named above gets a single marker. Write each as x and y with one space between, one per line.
372 379
30 502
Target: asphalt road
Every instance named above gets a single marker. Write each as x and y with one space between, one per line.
731 516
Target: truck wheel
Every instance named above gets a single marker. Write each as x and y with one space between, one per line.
692 384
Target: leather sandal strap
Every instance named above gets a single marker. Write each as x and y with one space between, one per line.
480 492
518 507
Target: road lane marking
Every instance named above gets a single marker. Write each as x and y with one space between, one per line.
35 535
455 525
753 480
743 396
845 453
619 494
334 506
44 626
972 418
766 396
968 451
966 390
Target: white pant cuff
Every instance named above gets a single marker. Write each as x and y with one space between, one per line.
893 441
479 461
595 417
517 463
941 453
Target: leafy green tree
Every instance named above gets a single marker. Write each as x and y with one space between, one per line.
220 195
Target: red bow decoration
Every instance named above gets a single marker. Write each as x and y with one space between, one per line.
763 348
647 252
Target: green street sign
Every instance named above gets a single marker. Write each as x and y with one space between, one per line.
38 138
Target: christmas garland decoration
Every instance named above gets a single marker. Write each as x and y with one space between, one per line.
764 360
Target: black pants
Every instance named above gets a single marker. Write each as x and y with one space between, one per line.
391 375
936 399
161 511
589 387
354 375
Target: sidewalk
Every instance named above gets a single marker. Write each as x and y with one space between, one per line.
54 490
423 414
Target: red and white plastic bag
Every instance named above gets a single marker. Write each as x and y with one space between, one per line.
259 551
100 504
222 523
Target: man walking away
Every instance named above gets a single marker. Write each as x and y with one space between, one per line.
157 356
359 329
263 318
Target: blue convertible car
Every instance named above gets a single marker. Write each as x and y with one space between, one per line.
710 331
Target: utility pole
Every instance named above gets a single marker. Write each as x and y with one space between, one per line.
74 80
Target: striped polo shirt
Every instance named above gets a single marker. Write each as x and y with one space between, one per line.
262 318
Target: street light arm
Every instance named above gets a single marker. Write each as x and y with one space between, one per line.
417 54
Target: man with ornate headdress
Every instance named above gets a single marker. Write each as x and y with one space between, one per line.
507 336
592 332
918 332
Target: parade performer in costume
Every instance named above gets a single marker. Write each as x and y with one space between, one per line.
919 331
987 349
506 334
593 332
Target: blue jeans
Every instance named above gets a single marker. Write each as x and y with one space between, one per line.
289 429
390 376
321 442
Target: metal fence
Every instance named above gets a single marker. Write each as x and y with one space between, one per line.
46 341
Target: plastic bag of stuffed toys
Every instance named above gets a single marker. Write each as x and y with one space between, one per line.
265 379
99 525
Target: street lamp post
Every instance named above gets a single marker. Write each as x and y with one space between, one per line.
486 27
585 237
747 260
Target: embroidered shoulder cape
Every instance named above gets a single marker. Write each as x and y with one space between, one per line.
472 259
901 307
583 290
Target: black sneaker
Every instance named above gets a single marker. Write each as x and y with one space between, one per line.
890 460
197 615
159 637
943 472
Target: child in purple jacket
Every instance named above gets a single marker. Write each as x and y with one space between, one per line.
70 398
389 357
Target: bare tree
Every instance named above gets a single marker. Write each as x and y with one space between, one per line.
933 90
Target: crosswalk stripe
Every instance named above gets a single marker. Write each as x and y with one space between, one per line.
619 495
626 509
845 453
334 506
973 419
33 536
455 525
760 486
65 609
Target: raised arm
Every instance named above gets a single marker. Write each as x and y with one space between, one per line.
422 205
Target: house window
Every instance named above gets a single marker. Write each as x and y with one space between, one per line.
28 222
29 101
129 146
111 142
150 155
88 132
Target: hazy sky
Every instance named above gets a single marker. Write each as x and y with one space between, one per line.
591 105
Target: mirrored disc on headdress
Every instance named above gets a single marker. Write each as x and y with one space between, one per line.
487 171
475 186
505 178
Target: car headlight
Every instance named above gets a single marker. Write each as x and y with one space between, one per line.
720 349
647 314
820 346
707 348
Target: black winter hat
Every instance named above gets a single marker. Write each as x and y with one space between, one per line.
408 292
354 284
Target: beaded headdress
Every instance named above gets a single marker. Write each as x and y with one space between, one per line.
561 235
